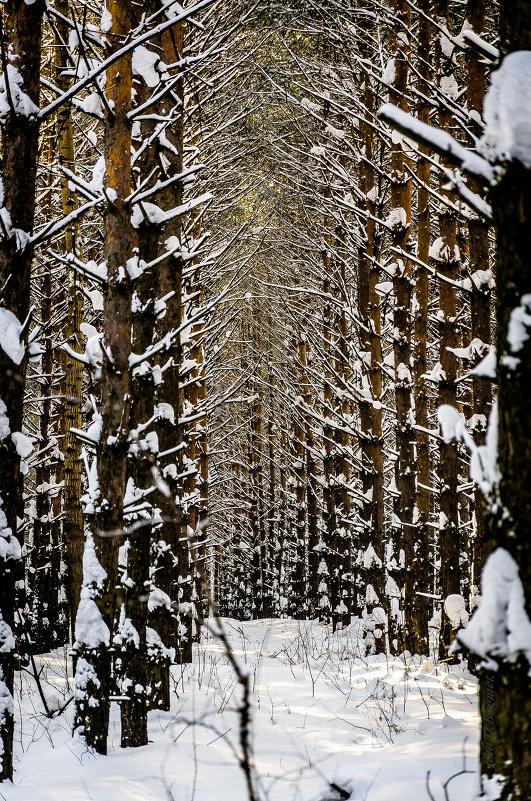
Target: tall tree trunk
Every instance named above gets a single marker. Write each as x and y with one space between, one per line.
298 595
372 601
401 582
272 503
505 693
329 566
346 591
172 566
256 489
312 491
22 26
481 291
420 583
43 586
93 671
73 382
446 256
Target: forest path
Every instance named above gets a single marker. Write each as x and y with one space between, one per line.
320 715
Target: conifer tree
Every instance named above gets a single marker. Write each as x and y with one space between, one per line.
21 53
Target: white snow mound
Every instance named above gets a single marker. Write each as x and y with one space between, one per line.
507 110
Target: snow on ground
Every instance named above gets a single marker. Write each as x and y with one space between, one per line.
321 715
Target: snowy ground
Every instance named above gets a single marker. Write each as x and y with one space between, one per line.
321 715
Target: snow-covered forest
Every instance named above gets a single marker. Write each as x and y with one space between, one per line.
265 367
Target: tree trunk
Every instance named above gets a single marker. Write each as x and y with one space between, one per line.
447 260
372 600
401 583
481 293
505 694
73 382
421 579
22 23
93 671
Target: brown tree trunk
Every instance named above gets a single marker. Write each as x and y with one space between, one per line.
372 600
420 579
481 292
173 564
329 567
347 599
311 489
94 682
505 694
22 25
401 586
73 381
298 594
447 260
42 586
256 488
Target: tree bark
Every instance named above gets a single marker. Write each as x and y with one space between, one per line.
73 381
505 694
22 24
420 577
372 600
447 261
92 700
401 584
481 292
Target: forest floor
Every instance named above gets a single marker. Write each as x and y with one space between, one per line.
321 716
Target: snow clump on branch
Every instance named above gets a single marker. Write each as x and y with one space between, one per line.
23 105
500 628
507 111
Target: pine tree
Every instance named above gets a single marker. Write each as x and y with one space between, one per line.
22 31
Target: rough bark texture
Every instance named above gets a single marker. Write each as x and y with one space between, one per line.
22 26
298 596
73 381
371 573
329 566
447 263
481 292
257 511
401 624
272 497
420 578
515 25
92 719
172 564
505 695
42 584
311 498
346 598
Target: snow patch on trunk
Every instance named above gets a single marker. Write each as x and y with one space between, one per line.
10 336
507 110
91 629
519 324
500 627
22 103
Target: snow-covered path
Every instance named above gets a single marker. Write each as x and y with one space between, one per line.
320 716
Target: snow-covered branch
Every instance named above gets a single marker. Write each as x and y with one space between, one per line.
440 142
